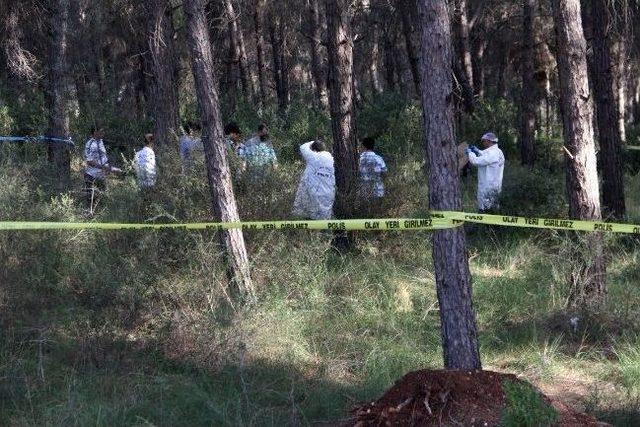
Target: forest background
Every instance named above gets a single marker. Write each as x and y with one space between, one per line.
140 327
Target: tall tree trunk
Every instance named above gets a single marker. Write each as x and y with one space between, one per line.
503 69
284 62
588 284
527 101
161 65
479 46
215 149
317 70
607 109
280 71
406 12
258 19
453 280
389 58
374 71
461 30
58 85
237 50
341 86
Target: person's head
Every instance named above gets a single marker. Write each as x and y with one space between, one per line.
318 146
187 128
97 132
489 139
369 143
149 139
263 132
233 131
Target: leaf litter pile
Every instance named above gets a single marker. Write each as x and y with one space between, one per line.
449 398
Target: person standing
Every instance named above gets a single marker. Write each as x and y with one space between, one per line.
189 145
97 165
490 164
234 139
317 190
144 163
236 154
372 170
259 154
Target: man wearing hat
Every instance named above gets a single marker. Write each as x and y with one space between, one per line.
490 164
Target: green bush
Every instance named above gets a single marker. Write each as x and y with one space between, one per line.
532 192
499 116
525 407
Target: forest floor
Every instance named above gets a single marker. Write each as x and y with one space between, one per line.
137 327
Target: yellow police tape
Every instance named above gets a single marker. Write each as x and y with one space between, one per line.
348 224
438 221
533 222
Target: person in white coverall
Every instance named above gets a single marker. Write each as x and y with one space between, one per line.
490 164
317 190
144 163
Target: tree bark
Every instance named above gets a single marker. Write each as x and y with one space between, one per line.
161 65
58 85
608 113
317 70
406 12
280 69
479 46
389 58
237 50
503 69
258 19
215 149
453 280
527 101
461 30
341 86
588 283
374 71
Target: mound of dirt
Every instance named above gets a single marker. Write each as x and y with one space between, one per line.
442 397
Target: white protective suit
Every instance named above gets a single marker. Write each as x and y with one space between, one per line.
317 189
144 163
490 166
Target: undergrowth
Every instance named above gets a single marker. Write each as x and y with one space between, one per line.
137 327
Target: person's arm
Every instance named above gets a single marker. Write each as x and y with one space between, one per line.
306 151
486 159
104 159
383 167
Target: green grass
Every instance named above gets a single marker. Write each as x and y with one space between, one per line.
136 328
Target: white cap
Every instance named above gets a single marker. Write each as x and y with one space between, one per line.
490 136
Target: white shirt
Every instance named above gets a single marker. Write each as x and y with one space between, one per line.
490 166
372 167
144 163
95 152
317 190
189 145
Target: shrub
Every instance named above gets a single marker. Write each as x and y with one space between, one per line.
493 115
525 407
532 192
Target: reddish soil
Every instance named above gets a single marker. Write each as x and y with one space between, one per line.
444 398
